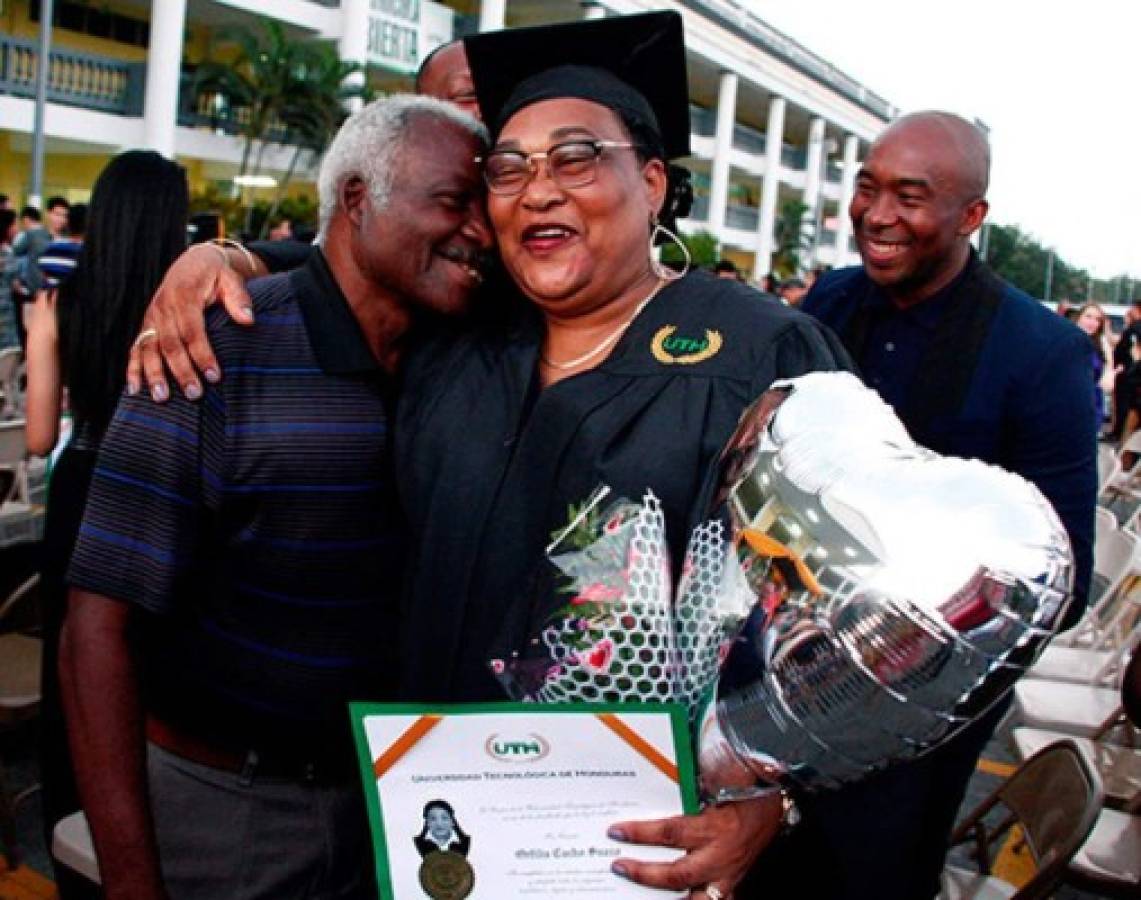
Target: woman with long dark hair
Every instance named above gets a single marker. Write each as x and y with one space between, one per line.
79 337
1092 320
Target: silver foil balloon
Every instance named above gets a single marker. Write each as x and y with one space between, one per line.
901 593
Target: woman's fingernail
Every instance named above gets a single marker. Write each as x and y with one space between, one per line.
193 392
248 313
620 869
213 376
615 833
132 388
159 393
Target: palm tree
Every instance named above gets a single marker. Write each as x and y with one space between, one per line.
282 91
314 111
791 239
257 82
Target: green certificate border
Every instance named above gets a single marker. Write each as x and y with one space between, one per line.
683 751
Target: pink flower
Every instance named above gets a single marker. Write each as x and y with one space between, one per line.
598 657
497 666
596 593
555 672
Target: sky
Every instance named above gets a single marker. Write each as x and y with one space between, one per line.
1057 83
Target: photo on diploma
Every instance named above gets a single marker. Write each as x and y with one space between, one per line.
500 800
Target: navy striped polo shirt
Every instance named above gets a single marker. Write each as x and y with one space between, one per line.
258 526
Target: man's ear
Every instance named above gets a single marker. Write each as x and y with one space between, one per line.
973 217
353 197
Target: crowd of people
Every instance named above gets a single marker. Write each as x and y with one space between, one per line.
348 491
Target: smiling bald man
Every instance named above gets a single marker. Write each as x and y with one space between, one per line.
974 368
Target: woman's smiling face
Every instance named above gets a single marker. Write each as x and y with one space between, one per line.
571 250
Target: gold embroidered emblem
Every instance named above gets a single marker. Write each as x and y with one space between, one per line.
681 351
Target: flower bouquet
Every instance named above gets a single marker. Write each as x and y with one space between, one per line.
622 631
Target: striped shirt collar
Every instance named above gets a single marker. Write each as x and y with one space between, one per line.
334 333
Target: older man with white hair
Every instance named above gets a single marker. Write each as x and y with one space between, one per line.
236 568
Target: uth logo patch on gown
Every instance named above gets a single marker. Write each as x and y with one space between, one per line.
673 349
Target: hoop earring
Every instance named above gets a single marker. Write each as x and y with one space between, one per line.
663 271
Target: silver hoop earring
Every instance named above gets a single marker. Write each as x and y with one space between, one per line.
660 270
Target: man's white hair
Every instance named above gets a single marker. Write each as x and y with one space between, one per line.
369 143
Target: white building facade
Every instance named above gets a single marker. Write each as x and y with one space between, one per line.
772 123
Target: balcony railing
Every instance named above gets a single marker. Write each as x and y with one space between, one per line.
699 212
834 172
793 157
743 217
702 121
748 139
215 112
75 79
111 85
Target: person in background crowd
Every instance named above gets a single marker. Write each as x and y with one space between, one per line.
239 558
26 249
813 274
1092 320
280 229
445 74
792 291
9 332
60 257
770 284
5 201
974 368
78 339
725 268
56 220
1125 353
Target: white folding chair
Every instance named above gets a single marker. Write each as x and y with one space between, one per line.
1119 767
21 657
1116 555
1108 466
1110 860
72 846
10 360
1054 798
1082 665
1080 710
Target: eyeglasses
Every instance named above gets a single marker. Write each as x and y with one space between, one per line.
571 164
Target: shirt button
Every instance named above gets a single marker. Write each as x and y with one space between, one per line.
889 346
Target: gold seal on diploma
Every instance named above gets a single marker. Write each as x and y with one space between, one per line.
445 875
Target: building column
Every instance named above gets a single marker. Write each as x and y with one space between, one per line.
353 43
164 66
492 15
813 176
847 189
722 147
770 188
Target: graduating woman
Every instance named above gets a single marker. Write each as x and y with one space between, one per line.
617 372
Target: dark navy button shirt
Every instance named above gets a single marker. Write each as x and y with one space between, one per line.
1028 406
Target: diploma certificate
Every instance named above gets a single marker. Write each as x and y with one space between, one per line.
514 800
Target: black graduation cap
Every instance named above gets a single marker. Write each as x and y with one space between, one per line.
632 63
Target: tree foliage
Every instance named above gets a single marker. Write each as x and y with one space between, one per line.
1023 261
791 237
702 246
275 89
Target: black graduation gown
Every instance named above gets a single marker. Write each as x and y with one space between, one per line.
488 463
